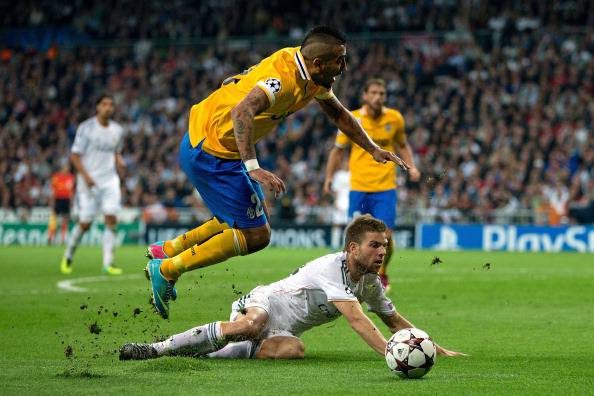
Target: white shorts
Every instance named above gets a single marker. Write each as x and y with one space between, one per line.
105 197
277 324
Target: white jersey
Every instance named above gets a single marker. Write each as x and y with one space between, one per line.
97 146
341 185
304 299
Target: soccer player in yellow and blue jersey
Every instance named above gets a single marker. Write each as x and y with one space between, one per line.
373 184
219 157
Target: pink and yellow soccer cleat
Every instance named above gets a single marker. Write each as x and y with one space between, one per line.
155 251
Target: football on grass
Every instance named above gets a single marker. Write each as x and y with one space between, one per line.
410 353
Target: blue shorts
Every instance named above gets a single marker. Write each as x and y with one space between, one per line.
229 192
381 205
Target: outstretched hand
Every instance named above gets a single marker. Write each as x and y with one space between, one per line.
445 352
381 155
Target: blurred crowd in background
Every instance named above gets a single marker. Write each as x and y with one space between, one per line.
498 100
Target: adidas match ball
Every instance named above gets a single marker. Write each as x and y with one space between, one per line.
410 353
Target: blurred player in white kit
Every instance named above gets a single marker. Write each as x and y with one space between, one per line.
341 187
95 156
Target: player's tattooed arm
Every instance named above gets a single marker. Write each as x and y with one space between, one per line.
345 121
243 115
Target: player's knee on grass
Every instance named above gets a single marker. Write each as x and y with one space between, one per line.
281 347
257 238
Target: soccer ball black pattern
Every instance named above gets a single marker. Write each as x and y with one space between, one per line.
410 353
274 84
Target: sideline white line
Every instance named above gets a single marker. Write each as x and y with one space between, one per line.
68 285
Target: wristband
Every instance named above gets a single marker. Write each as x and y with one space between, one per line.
251 165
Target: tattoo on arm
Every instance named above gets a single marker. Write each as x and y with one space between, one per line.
345 121
243 121
332 107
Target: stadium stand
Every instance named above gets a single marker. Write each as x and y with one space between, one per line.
499 110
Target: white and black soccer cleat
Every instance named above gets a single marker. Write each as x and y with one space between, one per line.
134 351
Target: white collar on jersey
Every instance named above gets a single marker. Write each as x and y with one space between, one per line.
301 65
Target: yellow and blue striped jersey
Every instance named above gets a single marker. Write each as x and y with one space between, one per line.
367 175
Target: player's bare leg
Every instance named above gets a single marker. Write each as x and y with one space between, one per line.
383 272
65 222
51 228
77 233
281 347
109 240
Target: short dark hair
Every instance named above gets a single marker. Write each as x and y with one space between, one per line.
103 96
323 33
374 81
361 225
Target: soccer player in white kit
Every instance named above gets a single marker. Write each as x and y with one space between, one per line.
267 322
95 155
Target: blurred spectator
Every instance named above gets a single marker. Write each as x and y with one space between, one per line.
498 108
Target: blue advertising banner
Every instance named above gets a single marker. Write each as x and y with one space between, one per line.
295 236
520 238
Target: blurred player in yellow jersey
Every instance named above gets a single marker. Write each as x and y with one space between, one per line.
373 184
218 154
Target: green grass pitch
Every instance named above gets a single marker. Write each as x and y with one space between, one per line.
527 320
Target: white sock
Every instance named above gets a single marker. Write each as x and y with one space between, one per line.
236 350
108 245
73 242
199 340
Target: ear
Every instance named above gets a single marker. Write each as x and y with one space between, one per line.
352 247
317 62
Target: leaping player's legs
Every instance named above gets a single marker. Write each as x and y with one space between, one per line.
240 225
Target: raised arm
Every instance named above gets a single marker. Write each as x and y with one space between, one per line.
243 115
362 325
345 121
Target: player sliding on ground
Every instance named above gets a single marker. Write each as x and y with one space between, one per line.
267 322
219 157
